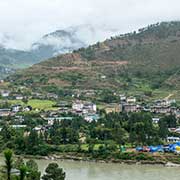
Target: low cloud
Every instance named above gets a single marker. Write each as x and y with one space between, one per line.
25 21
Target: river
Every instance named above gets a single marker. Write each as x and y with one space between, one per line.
101 171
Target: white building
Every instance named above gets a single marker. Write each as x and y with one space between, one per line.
18 126
5 93
122 98
131 100
19 97
173 139
16 108
77 106
155 120
84 107
90 107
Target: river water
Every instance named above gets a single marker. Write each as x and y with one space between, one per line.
100 171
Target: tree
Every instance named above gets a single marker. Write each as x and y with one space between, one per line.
163 129
25 100
33 142
8 162
141 130
53 172
32 169
8 133
171 121
91 148
28 171
32 165
119 135
19 163
23 171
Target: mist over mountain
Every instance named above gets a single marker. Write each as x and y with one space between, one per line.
58 42
50 45
67 40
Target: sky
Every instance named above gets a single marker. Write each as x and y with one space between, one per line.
23 22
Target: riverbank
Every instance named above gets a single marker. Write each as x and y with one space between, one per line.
157 159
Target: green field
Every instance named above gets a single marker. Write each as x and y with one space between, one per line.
36 104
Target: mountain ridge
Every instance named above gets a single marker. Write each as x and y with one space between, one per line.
140 61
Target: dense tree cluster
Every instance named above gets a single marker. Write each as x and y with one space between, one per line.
111 129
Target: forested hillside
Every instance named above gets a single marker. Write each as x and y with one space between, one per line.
146 60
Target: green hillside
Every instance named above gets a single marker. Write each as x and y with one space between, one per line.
147 60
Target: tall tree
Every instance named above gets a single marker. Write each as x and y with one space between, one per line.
23 171
8 162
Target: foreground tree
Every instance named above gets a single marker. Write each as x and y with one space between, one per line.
8 162
32 168
23 171
53 172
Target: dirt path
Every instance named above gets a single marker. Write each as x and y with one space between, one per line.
170 95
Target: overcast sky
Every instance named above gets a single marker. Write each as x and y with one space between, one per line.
25 21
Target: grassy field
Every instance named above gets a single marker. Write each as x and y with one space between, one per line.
37 104
73 147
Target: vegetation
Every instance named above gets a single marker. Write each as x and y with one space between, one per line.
108 133
35 103
8 162
18 170
53 172
145 62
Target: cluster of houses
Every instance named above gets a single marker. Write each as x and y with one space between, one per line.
164 106
88 110
130 104
4 112
6 94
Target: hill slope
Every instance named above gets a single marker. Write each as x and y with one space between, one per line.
145 60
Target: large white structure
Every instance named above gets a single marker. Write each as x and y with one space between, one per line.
84 107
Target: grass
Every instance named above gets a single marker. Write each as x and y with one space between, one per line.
84 147
37 104
41 104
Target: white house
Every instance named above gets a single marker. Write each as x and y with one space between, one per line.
122 98
91 117
16 108
155 120
103 77
51 120
131 100
165 102
19 97
18 126
173 139
5 93
77 106
90 107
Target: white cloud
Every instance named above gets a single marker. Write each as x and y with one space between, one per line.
27 20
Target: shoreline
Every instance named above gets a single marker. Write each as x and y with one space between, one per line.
65 157
103 161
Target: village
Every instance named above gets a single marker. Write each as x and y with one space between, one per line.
89 111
